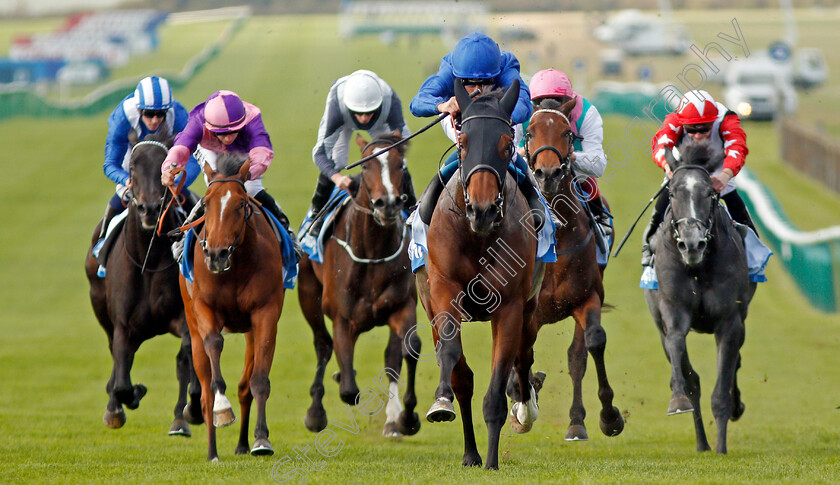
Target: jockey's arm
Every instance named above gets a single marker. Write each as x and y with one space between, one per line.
591 160
116 146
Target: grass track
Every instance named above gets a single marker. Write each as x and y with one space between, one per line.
54 361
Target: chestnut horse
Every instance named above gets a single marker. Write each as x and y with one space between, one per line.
481 266
704 286
239 288
137 299
573 285
365 281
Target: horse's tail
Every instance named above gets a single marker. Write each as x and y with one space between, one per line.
607 307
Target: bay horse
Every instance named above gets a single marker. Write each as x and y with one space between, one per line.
365 281
137 299
239 288
572 286
481 266
704 286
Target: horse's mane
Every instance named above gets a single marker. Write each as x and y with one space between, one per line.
229 163
392 138
692 152
548 103
162 135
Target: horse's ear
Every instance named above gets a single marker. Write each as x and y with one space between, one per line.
670 159
208 170
245 170
508 102
568 106
461 95
132 138
361 142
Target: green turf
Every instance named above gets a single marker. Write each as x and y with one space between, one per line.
54 361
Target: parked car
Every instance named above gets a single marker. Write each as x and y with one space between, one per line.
760 88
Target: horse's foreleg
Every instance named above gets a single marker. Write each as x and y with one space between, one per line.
507 323
729 337
191 412
524 412
393 367
309 295
183 366
213 343
124 348
245 395
446 334
577 369
202 370
344 340
462 380
408 422
673 339
264 323
692 382
611 422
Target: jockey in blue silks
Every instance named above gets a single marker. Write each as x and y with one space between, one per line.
479 64
150 108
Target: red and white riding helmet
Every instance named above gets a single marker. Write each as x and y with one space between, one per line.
224 112
550 83
697 107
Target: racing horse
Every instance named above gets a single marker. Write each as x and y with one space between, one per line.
572 285
363 282
138 298
481 266
239 288
704 286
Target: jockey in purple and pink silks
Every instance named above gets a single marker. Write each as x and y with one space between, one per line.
225 123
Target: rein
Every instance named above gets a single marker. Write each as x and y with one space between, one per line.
438 119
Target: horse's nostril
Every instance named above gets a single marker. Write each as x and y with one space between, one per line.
556 173
224 253
539 173
681 245
378 204
701 245
470 210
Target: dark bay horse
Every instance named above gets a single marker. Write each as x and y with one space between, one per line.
134 303
365 281
239 288
573 285
481 266
704 286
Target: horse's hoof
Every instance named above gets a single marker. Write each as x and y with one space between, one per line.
315 420
408 424
193 417
539 380
241 449
350 397
223 417
577 432
738 411
114 419
679 405
611 422
442 410
390 431
262 447
472 459
514 421
180 428
139 391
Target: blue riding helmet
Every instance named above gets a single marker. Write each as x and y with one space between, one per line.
476 56
153 93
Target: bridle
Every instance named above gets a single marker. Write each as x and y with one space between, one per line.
365 210
565 160
707 225
249 211
500 198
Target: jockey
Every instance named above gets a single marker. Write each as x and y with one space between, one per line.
478 64
225 123
700 117
148 109
588 158
359 101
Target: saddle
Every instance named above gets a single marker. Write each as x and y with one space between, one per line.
104 249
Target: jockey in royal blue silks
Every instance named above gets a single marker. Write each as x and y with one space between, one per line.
478 63
150 108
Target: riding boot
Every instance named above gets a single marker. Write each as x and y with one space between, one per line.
407 189
650 230
323 191
272 206
176 234
532 195
602 217
110 212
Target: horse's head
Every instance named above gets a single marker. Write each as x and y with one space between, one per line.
549 143
485 148
381 180
144 170
227 210
693 198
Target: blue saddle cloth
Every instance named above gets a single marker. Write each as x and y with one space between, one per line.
287 248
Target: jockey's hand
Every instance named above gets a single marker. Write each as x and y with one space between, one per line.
719 180
521 151
450 106
167 178
341 181
668 172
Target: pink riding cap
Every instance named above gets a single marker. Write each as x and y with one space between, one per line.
224 112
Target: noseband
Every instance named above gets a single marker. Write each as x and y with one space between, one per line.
705 225
365 210
500 177
565 160
249 210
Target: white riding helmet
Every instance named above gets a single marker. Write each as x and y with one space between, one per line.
362 93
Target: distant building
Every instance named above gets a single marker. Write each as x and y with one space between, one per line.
451 19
